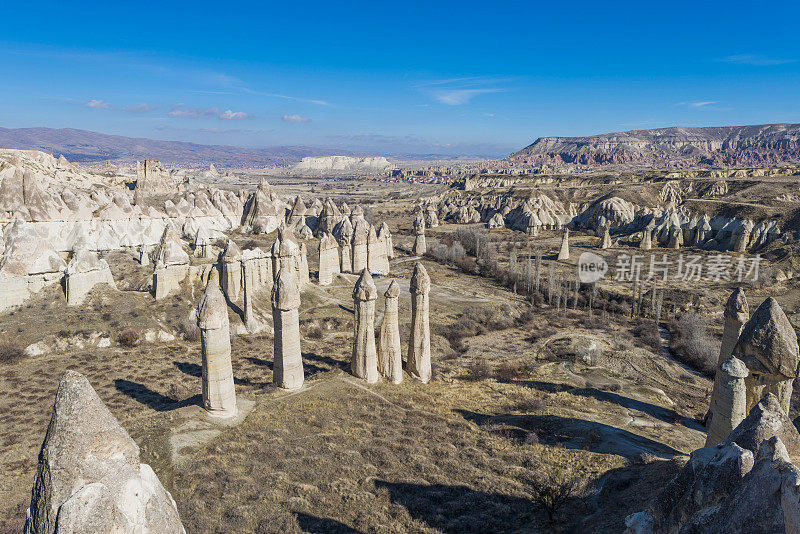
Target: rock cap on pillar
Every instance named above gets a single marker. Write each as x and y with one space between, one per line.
736 307
213 309
365 287
285 292
768 343
393 291
420 281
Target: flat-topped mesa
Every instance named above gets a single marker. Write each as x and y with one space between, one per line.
359 246
420 246
287 370
419 345
232 270
768 347
328 259
202 244
90 477
85 271
563 252
386 236
364 362
219 395
390 358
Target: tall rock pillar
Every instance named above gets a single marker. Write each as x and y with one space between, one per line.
563 253
419 349
287 372
219 396
364 363
420 245
390 358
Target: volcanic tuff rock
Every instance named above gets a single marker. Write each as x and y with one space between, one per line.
728 146
90 478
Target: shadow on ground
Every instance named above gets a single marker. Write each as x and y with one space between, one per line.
571 433
459 508
153 399
322 525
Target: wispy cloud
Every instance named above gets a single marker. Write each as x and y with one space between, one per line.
180 110
458 91
233 115
757 60
295 118
139 108
699 104
98 104
316 101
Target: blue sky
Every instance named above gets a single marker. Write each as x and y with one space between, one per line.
396 77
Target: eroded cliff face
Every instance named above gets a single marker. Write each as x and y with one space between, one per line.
342 164
734 146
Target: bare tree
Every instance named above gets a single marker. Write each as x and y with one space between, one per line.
553 488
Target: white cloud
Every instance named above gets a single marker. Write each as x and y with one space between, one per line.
757 60
98 104
295 118
234 115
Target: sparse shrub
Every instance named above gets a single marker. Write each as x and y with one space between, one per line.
10 352
314 332
692 343
189 329
510 371
250 244
647 332
177 391
643 458
612 387
130 337
480 369
532 404
532 438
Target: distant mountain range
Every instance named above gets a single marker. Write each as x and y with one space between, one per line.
724 146
84 146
